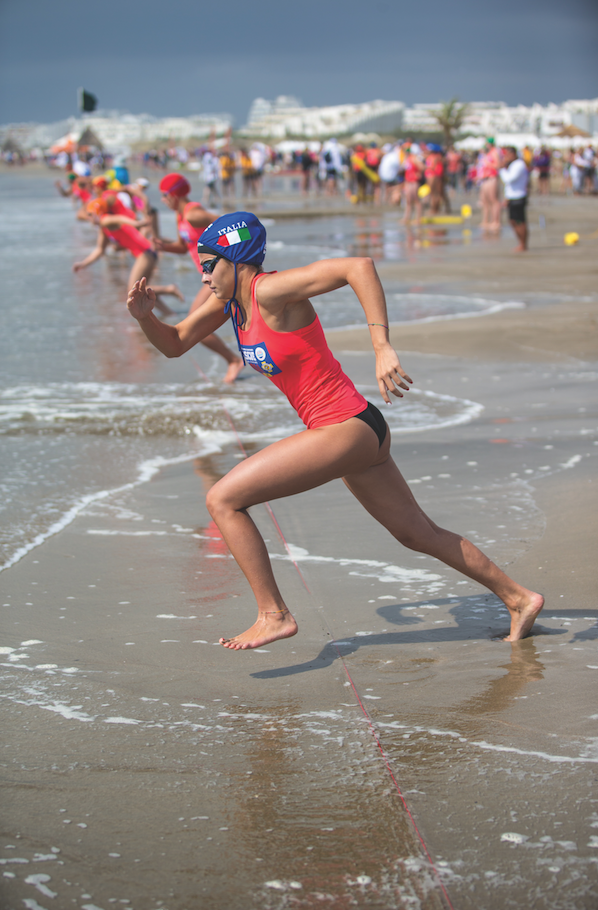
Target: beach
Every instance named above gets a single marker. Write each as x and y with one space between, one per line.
395 753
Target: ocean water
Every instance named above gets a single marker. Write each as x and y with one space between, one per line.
87 406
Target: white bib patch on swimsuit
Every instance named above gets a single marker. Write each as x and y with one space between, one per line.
258 357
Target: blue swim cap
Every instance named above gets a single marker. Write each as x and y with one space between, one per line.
238 237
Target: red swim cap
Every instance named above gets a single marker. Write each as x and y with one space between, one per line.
175 185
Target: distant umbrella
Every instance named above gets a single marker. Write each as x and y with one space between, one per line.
88 139
571 131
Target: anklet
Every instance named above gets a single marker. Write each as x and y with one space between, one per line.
378 323
263 612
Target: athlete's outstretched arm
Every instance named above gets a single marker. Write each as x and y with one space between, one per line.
171 246
173 340
198 218
97 252
114 222
284 289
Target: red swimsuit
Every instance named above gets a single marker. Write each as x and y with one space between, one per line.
301 365
126 235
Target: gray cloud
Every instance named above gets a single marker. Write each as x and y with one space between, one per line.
194 58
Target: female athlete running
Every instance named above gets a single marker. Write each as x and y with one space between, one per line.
280 334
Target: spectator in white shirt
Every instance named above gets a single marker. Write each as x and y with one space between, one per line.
211 173
515 176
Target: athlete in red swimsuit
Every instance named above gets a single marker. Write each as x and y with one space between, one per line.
279 333
192 220
434 173
118 224
488 167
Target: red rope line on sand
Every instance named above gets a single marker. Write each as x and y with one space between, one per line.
386 761
369 720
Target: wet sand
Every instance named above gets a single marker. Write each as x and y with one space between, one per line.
148 767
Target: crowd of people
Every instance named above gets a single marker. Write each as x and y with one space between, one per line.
415 177
371 171
364 171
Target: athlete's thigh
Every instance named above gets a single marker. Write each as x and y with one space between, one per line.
385 494
143 267
299 463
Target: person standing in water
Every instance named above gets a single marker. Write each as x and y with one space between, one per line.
192 220
487 175
515 176
346 437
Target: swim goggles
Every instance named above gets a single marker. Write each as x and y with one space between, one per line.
210 264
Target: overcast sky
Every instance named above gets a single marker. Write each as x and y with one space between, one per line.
190 57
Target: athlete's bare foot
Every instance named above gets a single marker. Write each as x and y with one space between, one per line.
234 369
523 616
520 249
267 628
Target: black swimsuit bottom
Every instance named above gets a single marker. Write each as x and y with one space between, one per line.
375 420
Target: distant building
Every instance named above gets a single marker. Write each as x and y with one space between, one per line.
287 116
118 130
262 109
487 118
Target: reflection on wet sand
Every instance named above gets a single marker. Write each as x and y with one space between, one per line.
350 843
120 350
385 241
523 667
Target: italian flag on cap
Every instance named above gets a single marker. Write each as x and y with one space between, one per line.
234 237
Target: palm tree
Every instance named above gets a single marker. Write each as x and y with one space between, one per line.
450 118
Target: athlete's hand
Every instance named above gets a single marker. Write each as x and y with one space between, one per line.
77 266
390 374
141 300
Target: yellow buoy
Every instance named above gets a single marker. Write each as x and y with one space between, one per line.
571 238
423 191
466 211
